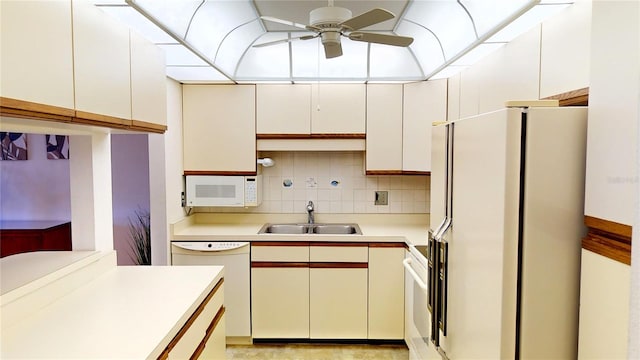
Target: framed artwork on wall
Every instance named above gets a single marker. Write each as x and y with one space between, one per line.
14 146
57 147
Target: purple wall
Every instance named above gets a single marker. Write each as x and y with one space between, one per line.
130 182
36 188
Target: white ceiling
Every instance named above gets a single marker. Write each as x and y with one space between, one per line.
212 40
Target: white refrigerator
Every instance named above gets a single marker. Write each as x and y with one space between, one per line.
507 192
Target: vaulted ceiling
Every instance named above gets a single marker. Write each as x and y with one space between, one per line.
214 41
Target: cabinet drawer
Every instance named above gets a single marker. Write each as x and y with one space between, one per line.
189 338
280 252
339 253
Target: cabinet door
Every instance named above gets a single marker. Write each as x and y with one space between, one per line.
280 302
386 293
338 109
424 103
148 81
384 127
101 63
338 303
219 128
36 52
216 345
283 109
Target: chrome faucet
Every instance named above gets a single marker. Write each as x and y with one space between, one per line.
310 212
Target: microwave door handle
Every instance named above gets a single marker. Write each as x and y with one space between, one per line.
407 264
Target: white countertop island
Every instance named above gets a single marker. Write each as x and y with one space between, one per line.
117 312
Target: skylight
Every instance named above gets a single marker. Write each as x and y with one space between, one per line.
213 41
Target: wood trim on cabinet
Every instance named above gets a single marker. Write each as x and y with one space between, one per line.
40 111
210 329
88 118
608 238
36 111
275 264
397 172
411 172
280 243
148 127
338 265
309 136
579 97
339 243
222 173
190 321
383 172
387 245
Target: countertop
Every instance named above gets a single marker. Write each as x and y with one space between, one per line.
412 228
126 312
30 224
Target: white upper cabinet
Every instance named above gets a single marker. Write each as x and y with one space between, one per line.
304 109
424 103
565 45
384 127
283 109
101 62
219 128
36 52
148 81
338 108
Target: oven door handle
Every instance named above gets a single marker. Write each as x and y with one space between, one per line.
407 265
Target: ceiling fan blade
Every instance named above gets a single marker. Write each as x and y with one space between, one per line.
385 39
332 50
369 18
284 22
305 37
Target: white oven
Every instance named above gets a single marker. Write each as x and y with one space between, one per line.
417 317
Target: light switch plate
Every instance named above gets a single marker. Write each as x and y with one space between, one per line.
382 198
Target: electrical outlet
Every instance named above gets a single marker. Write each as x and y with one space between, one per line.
382 198
182 199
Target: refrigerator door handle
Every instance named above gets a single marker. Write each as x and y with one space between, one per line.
437 230
447 224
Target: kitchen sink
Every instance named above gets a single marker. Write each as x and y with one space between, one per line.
342 229
329 229
284 229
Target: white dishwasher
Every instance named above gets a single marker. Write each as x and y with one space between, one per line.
234 256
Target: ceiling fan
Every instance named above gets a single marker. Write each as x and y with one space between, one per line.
331 22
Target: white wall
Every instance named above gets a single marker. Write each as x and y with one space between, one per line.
173 146
612 176
36 188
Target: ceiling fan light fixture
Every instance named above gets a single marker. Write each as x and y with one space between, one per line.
329 16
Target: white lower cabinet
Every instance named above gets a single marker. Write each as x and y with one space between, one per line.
280 290
204 332
327 290
280 302
338 308
216 345
386 293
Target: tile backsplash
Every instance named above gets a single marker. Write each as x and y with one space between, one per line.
336 183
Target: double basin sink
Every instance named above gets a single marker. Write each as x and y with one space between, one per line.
329 229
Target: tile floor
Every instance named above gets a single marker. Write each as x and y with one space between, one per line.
317 352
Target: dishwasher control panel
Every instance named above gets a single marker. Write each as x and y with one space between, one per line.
210 245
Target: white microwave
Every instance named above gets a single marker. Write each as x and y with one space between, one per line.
213 190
